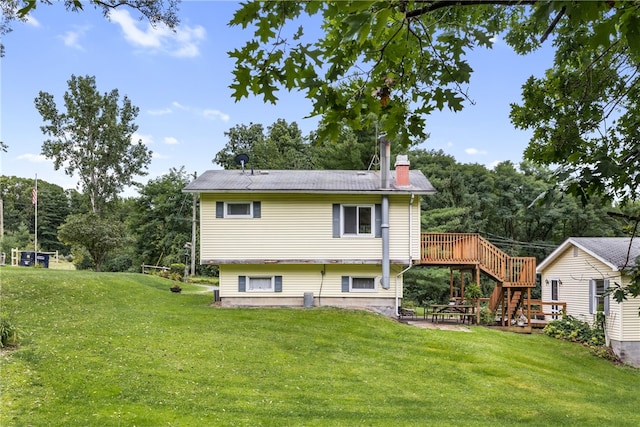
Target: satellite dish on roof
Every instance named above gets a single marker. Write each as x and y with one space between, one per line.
242 159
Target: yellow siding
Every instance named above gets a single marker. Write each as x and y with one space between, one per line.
575 269
298 279
299 226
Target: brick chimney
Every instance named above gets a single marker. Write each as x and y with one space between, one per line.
402 170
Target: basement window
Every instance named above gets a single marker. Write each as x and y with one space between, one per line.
260 284
358 284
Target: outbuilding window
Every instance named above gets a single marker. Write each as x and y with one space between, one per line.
598 300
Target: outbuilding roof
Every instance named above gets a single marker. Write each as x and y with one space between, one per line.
305 181
619 253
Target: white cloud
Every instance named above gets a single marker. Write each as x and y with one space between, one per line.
33 158
183 42
146 139
207 113
215 114
72 38
179 106
32 21
162 112
170 140
493 164
474 151
157 155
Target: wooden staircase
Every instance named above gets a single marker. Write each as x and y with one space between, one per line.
514 276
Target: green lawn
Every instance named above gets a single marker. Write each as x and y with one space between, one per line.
103 349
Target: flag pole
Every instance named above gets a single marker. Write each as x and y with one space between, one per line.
35 230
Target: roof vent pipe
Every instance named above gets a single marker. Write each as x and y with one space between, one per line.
385 162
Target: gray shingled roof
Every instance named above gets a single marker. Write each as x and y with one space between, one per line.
619 253
613 250
314 181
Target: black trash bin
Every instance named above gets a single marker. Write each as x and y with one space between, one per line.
42 259
29 258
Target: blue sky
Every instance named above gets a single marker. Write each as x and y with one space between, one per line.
180 81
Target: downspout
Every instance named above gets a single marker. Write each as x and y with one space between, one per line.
386 263
410 253
385 153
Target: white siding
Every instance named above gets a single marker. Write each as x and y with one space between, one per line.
299 227
575 269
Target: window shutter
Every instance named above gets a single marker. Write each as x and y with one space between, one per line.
278 284
336 220
378 220
592 296
606 299
219 209
257 209
345 283
242 283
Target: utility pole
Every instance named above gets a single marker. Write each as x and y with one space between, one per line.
193 230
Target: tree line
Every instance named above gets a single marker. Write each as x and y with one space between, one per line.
152 228
391 64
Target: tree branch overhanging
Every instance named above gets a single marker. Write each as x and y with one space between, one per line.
449 3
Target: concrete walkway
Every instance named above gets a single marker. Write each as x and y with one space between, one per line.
425 324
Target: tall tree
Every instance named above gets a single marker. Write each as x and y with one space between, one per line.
161 219
281 147
93 139
404 59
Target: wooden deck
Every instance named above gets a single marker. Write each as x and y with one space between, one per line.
514 276
473 251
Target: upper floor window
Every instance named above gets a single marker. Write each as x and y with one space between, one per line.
238 209
357 220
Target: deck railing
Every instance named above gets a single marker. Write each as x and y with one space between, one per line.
470 248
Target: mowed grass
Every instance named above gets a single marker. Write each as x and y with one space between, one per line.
103 349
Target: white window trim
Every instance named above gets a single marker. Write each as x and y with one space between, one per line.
273 284
375 284
239 202
357 233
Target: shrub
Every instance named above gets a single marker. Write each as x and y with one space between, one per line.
472 292
487 317
408 304
118 263
177 268
569 328
9 334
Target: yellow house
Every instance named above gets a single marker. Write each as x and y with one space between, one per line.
580 271
310 237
